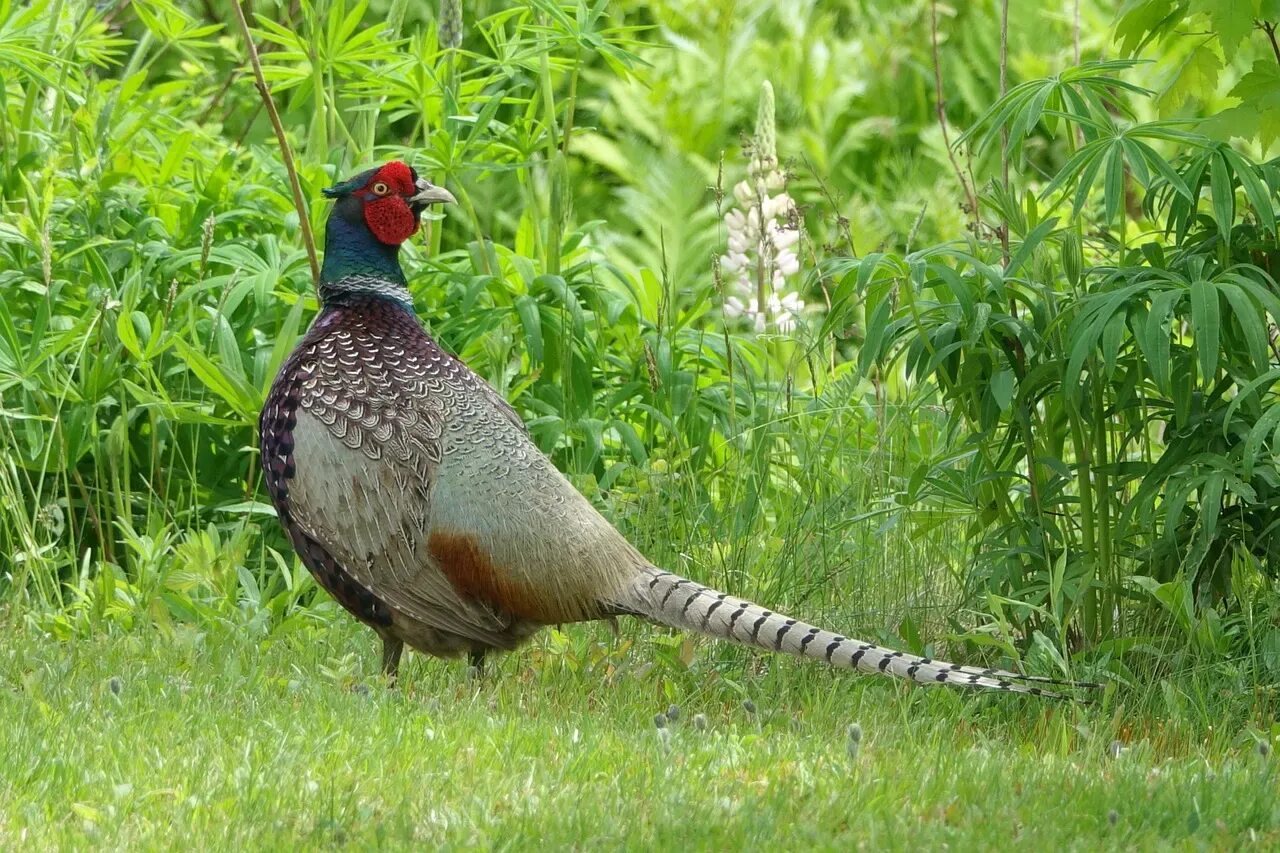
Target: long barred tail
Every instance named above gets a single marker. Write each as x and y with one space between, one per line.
680 603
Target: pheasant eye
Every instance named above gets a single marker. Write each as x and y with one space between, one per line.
380 188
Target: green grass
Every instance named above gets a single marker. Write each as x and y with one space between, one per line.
153 280
221 741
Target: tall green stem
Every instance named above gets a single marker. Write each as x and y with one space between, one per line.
32 93
555 163
1102 484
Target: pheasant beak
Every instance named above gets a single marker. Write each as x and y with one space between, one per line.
429 193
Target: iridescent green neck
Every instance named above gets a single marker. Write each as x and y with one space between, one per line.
356 262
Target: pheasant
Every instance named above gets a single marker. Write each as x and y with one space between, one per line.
411 490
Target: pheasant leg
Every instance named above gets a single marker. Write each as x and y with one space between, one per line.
391 651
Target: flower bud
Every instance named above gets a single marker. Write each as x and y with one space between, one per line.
766 129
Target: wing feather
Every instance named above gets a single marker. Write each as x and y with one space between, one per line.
365 460
425 486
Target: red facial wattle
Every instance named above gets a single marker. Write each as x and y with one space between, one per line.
386 212
390 219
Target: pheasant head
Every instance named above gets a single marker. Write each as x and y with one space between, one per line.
374 213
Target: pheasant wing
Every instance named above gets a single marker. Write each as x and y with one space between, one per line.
364 463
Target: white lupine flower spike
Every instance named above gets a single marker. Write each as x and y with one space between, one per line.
762 237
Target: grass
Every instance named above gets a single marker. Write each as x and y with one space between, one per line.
170 674
141 740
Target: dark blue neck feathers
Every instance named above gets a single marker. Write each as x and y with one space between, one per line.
356 262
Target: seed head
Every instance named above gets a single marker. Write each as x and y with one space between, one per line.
52 518
115 685
748 706
700 722
1113 817
854 743
673 713
660 720
1264 748
449 24
206 241
46 254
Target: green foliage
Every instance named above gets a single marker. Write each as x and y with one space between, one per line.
154 282
1111 367
1202 40
1079 375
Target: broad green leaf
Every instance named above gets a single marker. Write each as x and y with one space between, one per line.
1196 76
1112 338
1261 431
1223 195
1210 507
1252 323
531 319
876 327
1155 338
245 400
1002 388
1205 319
1232 20
1258 116
127 334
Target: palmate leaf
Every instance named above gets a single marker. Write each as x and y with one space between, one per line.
1196 76
1257 284
1140 22
1222 169
1083 95
1232 20
1120 150
1086 331
1260 197
1258 115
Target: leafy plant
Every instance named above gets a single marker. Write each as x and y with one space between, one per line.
1089 405
1103 378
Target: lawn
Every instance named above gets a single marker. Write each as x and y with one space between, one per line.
142 740
937 324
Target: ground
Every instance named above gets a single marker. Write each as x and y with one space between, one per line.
148 738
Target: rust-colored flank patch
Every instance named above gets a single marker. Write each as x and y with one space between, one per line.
473 575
